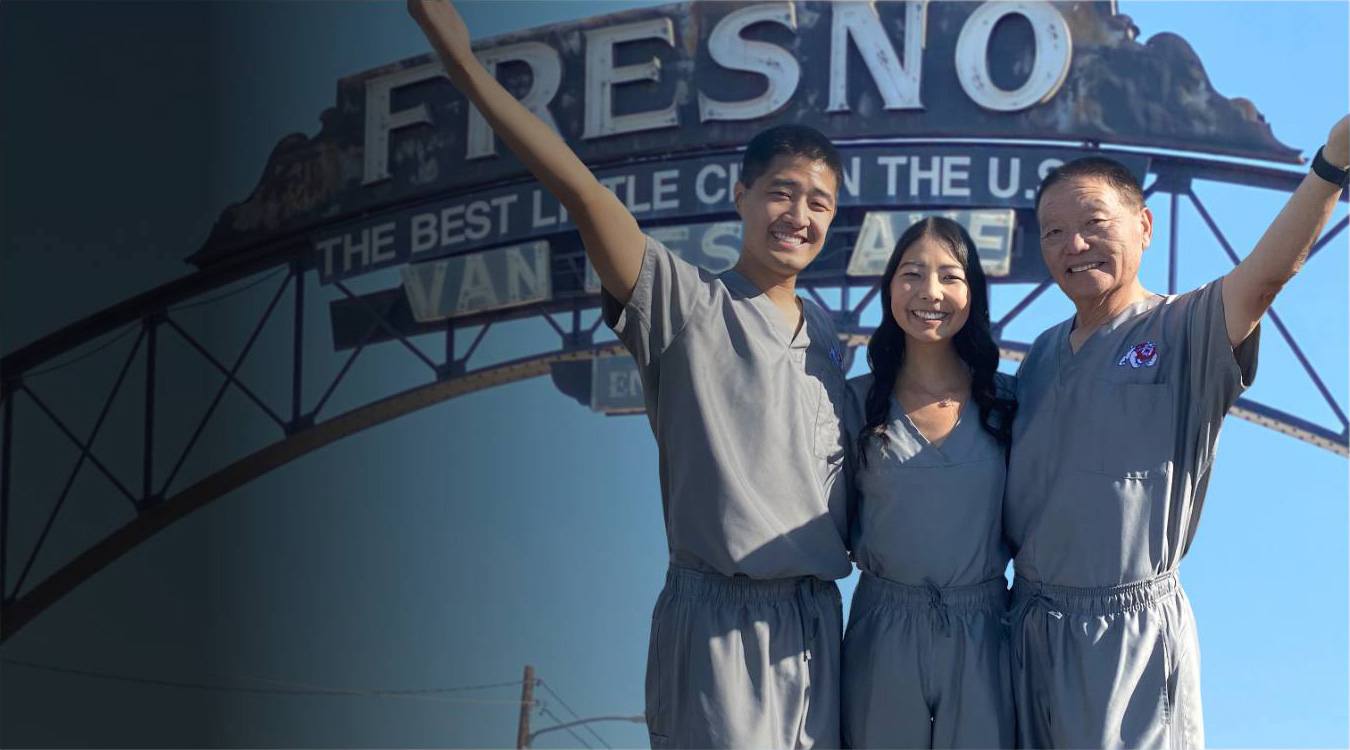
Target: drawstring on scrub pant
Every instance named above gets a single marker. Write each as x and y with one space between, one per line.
1018 615
939 605
810 623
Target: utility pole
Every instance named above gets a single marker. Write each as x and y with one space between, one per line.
526 703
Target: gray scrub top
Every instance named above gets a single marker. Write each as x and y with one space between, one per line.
931 514
747 419
1112 446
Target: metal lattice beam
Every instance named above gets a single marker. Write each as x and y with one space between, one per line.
305 430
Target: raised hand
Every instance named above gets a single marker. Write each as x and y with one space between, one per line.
1249 289
444 28
614 242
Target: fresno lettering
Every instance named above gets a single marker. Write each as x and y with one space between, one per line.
895 67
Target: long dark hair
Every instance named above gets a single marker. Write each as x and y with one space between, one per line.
974 342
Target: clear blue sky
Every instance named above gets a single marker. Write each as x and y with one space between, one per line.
455 545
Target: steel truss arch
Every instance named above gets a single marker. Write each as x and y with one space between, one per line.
304 427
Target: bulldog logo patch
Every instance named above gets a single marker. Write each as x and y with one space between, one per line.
1140 355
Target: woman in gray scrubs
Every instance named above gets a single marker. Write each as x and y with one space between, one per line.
925 657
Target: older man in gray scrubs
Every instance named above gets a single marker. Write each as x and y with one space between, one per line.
745 392
1120 409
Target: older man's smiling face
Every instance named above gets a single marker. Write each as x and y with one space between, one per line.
1092 239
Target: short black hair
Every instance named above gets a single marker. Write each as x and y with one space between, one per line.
1113 172
789 140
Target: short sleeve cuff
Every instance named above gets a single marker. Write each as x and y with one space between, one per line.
618 316
1242 359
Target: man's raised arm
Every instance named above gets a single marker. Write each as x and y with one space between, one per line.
1249 289
613 241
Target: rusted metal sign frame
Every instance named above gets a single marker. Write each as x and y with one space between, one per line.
685 79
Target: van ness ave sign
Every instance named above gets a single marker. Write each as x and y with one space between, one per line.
695 78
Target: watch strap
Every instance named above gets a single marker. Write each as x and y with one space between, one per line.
1330 172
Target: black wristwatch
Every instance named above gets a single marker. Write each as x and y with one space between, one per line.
1330 172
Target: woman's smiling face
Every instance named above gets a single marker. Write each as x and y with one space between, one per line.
930 297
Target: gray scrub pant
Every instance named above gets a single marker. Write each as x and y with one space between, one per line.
927 666
1110 667
736 662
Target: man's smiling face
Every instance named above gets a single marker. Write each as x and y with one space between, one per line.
786 212
1092 238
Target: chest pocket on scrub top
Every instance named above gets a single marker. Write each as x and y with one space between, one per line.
831 407
1130 428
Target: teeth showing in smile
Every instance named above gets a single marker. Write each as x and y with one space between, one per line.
929 315
789 239
1084 267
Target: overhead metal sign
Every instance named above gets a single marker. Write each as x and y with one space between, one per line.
991 229
955 175
693 78
518 274
511 276
616 387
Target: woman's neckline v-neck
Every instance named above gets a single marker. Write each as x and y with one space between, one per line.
924 439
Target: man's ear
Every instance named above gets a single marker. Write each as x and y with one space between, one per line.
1146 223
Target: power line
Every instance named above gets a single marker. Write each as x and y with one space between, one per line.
231 293
50 368
429 693
544 709
402 692
131 328
563 703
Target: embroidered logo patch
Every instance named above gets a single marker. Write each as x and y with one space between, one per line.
836 357
1140 355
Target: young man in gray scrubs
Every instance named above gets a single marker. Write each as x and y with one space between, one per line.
1119 414
745 392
